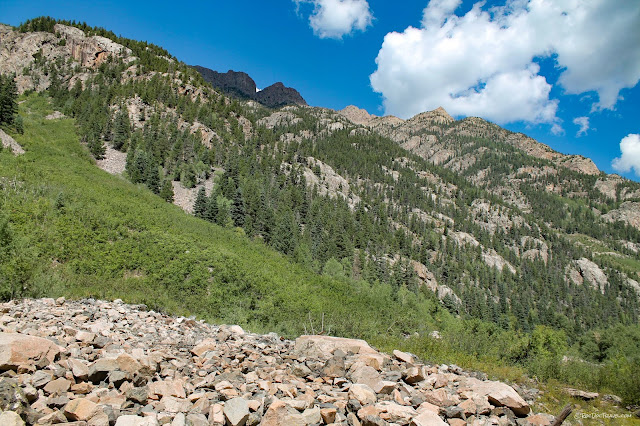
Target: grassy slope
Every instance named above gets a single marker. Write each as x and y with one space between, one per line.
87 233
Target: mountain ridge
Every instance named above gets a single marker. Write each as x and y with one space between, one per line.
440 116
241 85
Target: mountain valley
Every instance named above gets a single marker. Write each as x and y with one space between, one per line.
382 228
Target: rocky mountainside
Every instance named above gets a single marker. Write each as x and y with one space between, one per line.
458 145
101 363
240 85
507 207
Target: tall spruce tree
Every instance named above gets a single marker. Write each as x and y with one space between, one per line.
121 129
8 99
200 205
166 192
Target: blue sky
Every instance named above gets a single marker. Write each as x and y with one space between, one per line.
530 65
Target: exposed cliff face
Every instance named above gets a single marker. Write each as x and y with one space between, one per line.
19 51
240 85
628 212
487 155
235 83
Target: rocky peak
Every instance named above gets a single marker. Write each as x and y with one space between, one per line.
356 115
437 116
89 51
241 85
580 164
235 83
19 50
278 95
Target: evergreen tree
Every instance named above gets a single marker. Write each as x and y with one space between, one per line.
212 208
152 178
166 192
285 232
200 205
96 147
121 129
238 209
8 99
138 170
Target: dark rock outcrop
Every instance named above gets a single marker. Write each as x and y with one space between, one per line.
234 83
278 95
240 85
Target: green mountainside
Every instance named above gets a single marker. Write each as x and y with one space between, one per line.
309 219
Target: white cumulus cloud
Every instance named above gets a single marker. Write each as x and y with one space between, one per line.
630 158
583 123
484 62
336 18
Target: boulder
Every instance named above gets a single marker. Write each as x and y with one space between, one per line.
365 375
324 346
499 394
280 413
80 409
236 411
427 418
363 394
403 356
10 418
129 420
587 396
12 398
19 349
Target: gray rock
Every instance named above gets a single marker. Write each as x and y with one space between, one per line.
236 411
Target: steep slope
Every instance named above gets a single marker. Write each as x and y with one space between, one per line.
240 85
75 230
472 216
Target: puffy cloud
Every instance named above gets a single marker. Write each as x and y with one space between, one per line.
583 122
484 63
336 18
630 158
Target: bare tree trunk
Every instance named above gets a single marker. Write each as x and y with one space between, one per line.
562 416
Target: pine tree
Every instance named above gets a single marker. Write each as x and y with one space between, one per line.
200 205
238 209
166 192
96 147
121 129
286 233
212 208
152 178
8 99
137 170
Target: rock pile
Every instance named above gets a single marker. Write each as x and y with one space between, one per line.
102 363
